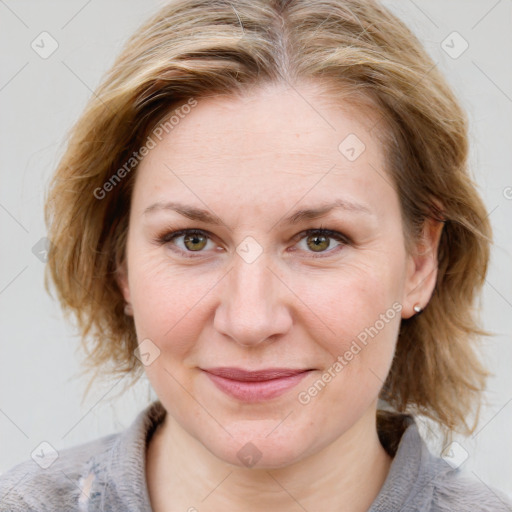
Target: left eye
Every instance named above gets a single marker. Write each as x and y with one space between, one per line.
318 240
195 240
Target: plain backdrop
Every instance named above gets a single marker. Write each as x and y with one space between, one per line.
40 98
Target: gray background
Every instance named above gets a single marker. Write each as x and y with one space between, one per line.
40 395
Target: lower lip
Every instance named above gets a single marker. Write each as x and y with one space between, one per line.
256 391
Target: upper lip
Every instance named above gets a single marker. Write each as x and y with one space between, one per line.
254 375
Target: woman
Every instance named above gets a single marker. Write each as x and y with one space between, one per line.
266 209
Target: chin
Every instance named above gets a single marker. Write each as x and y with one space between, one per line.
257 449
257 455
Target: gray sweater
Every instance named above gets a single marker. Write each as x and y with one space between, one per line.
108 474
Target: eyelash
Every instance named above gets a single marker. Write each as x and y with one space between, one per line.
169 236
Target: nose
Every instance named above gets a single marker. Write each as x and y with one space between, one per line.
253 307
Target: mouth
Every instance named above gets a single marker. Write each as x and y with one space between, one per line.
255 385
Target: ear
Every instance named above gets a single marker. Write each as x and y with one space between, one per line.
422 268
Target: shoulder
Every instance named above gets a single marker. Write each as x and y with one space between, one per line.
54 483
456 491
105 474
420 481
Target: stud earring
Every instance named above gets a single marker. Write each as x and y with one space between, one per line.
128 310
417 308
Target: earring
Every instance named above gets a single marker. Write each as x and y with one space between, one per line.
128 310
417 308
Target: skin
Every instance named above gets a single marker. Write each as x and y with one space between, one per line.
252 161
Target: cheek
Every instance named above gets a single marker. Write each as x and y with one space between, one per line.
168 303
169 310
360 356
345 301
356 320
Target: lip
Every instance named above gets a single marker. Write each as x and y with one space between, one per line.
255 385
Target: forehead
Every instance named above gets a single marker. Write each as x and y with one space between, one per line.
274 140
270 118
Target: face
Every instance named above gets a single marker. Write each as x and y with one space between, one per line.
259 288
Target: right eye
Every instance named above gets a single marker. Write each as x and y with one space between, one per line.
192 240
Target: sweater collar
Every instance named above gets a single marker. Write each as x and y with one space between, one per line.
120 473
413 472
121 478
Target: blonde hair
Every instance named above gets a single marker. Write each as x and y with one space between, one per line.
196 48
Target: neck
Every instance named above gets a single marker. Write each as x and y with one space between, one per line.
347 474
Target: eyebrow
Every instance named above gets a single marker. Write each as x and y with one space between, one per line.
207 217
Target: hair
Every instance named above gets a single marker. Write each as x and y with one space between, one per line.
361 52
